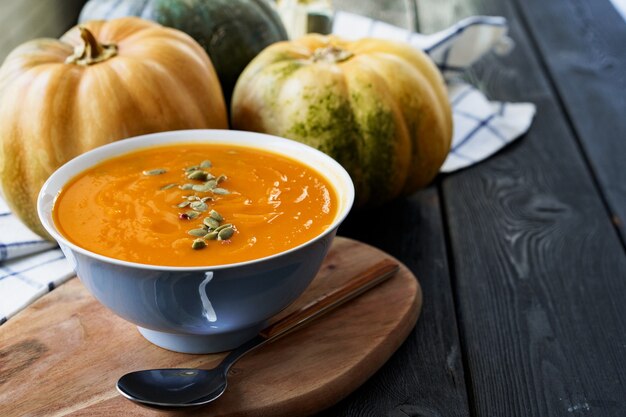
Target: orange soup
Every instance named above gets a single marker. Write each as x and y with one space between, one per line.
195 205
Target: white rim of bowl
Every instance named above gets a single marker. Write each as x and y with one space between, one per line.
130 144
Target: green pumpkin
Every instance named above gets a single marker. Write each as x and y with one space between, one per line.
231 31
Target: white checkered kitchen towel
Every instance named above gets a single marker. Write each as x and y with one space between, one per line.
30 266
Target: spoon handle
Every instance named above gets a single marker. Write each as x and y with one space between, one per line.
353 287
364 281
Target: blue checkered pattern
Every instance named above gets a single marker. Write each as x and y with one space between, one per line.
482 127
24 279
30 266
16 239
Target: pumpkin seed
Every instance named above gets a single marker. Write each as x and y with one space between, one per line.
192 214
214 214
199 206
224 226
210 228
197 232
211 223
168 186
197 175
221 191
157 171
225 234
198 244
201 188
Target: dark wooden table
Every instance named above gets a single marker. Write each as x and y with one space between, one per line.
522 257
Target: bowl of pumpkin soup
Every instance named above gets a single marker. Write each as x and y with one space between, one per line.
197 237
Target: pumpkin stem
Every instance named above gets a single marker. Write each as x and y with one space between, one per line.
90 51
331 54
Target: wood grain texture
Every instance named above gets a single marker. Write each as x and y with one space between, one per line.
539 269
585 58
424 378
63 354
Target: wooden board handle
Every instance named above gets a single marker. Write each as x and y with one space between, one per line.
364 281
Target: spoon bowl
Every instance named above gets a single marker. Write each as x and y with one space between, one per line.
160 388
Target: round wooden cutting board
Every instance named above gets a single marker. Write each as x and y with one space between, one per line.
64 353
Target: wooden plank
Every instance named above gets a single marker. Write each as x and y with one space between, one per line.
585 55
425 376
539 270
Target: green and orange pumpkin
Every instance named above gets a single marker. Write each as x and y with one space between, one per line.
379 108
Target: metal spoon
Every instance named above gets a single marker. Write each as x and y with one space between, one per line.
173 388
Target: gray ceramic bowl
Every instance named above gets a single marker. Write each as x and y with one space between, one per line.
199 309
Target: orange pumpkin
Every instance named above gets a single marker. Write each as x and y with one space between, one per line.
101 82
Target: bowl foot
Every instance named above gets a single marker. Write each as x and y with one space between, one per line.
186 343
